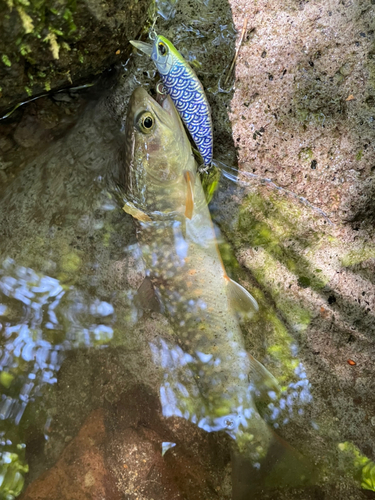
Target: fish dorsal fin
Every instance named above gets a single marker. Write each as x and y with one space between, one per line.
240 299
146 298
189 195
130 209
263 380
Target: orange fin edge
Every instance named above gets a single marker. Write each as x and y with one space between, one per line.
189 196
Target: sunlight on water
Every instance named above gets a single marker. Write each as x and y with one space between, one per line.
180 395
40 321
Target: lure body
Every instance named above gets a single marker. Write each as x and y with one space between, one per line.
185 90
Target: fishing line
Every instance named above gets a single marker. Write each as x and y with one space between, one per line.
152 33
268 182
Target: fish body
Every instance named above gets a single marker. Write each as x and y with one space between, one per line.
185 90
184 266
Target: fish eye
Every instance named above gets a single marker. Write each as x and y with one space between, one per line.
162 49
146 122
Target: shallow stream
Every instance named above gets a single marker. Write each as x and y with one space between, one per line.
79 403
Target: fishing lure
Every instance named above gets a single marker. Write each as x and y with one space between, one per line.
186 91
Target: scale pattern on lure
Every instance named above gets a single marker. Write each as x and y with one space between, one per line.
185 90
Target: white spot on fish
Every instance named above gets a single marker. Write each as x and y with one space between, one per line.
181 246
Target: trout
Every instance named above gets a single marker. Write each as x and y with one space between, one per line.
185 272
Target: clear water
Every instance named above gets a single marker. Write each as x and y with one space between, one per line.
81 361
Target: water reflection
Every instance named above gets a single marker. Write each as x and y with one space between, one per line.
40 320
180 395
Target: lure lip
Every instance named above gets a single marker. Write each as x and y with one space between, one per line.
146 48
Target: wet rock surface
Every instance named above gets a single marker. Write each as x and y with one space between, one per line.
51 45
80 471
117 453
301 116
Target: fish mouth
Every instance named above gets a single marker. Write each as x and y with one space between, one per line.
160 105
146 48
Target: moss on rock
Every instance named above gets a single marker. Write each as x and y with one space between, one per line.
50 44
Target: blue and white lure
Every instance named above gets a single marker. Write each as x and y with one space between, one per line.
185 90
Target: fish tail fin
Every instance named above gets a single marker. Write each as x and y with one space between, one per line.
283 467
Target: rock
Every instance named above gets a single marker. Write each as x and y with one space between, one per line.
50 45
193 469
80 473
117 454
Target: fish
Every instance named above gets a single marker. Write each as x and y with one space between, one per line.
184 271
186 91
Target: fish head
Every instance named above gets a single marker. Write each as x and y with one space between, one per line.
157 155
164 55
161 51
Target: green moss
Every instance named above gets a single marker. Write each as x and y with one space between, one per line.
6 379
54 46
305 154
12 472
27 21
357 256
65 46
68 16
41 21
24 49
304 282
210 182
359 155
70 262
272 226
6 60
279 341
56 31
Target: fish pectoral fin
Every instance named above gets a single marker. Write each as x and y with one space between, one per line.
130 209
263 380
146 298
189 195
240 299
